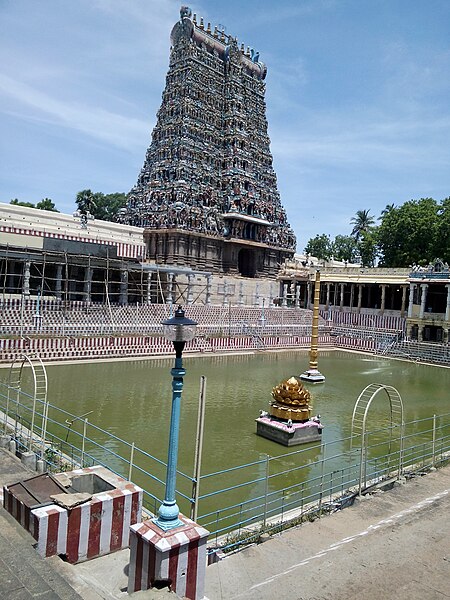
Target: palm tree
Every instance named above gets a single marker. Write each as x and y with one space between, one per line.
362 222
389 208
86 202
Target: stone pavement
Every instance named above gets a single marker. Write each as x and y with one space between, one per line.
23 573
390 545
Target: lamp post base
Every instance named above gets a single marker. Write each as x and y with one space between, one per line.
168 517
176 557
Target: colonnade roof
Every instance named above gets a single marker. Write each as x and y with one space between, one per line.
53 223
355 275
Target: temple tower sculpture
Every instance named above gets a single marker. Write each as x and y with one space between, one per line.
207 193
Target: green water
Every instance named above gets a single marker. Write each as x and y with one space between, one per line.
132 400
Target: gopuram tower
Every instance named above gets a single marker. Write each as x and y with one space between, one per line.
207 194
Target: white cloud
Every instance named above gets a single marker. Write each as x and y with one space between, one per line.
122 131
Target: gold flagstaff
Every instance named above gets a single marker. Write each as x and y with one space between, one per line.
313 374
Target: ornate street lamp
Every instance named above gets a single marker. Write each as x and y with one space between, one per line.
177 330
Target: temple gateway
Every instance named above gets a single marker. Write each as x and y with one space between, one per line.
207 194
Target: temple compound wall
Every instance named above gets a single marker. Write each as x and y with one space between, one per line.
421 295
56 258
207 193
60 257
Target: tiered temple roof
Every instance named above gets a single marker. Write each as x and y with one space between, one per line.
209 166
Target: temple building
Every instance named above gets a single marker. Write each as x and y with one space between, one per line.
207 194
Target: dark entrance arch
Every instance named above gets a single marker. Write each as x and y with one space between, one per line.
246 263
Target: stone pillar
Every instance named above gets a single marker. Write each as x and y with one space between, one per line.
423 299
148 298
26 278
88 284
308 295
169 298
447 310
284 301
123 298
241 293
412 287
383 298
352 295
190 296
335 292
402 310
420 333
58 282
224 299
208 290
408 331
257 294
360 288
297 296
271 294
327 304
341 299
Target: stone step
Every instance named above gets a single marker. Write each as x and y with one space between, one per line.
23 573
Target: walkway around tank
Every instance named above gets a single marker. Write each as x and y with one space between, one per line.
392 544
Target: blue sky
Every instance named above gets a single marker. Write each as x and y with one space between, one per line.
357 98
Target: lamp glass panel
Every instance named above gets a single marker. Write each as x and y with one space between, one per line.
179 333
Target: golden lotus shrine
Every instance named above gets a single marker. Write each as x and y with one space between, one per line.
289 420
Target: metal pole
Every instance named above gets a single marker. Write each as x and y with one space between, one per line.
44 426
21 316
168 511
322 467
361 462
434 440
365 460
30 443
83 443
130 470
198 448
266 491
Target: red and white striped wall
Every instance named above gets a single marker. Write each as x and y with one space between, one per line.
94 528
16 508
177 556
124 250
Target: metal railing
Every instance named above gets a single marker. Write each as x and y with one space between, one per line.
240 503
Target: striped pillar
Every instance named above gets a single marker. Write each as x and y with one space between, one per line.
176 556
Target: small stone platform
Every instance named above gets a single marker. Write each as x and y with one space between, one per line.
289 435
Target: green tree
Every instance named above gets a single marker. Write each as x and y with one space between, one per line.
47 204
108 205
362 222
17 202
368 247
85 202
409 233
101 206
320 246
387 209
442 248
345 248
